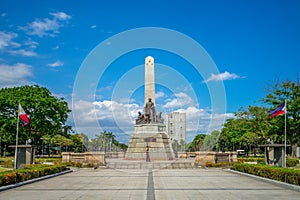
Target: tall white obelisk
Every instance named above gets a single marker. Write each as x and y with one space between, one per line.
149 80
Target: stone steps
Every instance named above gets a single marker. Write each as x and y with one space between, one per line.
151 165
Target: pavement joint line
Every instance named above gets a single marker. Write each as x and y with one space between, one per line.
274 182
143 189
150 187
11 186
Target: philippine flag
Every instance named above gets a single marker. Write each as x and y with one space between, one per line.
23 116
280 110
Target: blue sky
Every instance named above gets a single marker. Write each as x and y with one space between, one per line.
50 43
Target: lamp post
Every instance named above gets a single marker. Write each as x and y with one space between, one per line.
42 146
0 144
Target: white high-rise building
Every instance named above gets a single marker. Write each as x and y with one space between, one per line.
176 126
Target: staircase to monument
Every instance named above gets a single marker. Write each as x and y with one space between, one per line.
138 164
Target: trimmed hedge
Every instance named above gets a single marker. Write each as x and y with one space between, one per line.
252 159
54 160
80 165
220 164
280 174
290 162
7 162
29 172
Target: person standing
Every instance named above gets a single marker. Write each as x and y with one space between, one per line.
147 154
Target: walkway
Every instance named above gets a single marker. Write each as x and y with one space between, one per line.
149 184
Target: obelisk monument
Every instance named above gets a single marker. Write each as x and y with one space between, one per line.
150 139
149 80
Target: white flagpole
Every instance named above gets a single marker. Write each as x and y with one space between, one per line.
285 134
17 137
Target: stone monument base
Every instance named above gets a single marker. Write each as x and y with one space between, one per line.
155 137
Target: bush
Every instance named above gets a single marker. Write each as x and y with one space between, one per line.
252 159
280 174
292 162
28 172
7 162
90 165
73 164
53 160
220 164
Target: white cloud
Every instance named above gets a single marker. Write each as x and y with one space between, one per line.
222 77
159 95
119 117
110 115
61 16
126 100
104 110
46 26
56 64
22 52
56 47
93 26
6 39
31 44
12 75
180 99
43 27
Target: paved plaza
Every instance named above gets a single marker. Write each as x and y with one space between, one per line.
150 184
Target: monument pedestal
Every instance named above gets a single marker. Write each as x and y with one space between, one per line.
153 136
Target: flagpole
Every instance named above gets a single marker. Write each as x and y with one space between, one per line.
285 134
17 138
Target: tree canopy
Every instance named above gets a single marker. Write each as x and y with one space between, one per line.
47 128
253 125
47 113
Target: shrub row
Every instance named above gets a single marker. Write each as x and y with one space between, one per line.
280 174
85 165
29 172
53 160
290 162
252 159
7 162
220 164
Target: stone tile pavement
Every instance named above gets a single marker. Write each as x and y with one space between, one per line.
149 184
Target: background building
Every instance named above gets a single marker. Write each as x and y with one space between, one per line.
176 127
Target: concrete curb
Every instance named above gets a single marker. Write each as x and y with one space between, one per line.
7 187
274 182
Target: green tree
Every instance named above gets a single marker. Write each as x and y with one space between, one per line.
210 141
77 142
106 141
175 146
182 145
197 142
248 128
288 91
47 113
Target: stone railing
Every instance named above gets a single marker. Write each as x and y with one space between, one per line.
215 157
115 154
182 154
84 158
